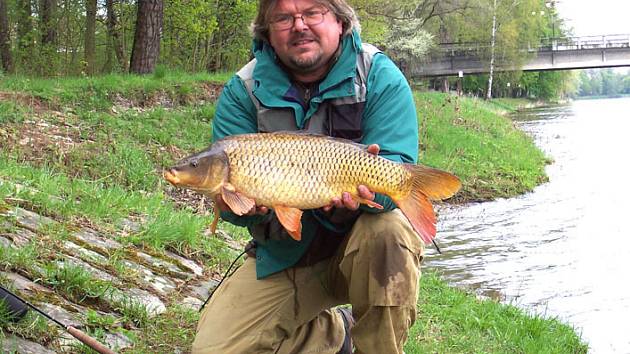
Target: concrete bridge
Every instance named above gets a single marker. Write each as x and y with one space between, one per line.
552 54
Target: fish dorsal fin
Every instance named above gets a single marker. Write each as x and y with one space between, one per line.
239 203
291 219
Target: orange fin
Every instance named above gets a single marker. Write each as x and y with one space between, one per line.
427 184
291 219
239 203
433 183
215 219
419 212
370 203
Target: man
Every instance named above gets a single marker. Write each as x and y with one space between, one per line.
311 72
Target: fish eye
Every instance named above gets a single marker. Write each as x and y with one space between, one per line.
194 163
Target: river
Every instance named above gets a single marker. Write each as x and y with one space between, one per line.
562 250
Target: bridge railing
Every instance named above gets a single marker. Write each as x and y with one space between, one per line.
546 44
585 42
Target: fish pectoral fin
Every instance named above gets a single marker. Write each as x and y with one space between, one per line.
370 203
291 219
239 203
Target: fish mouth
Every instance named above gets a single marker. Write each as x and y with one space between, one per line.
171 176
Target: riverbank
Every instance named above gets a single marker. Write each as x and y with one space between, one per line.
80 163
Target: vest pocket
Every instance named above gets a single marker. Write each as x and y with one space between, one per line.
344 121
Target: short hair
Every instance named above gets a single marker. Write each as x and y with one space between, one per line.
340 8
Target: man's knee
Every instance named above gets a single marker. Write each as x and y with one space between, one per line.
382 260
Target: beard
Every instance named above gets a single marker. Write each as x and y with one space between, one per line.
308 63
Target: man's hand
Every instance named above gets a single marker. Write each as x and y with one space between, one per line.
256 210
346 201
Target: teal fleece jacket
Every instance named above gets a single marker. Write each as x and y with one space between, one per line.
389 120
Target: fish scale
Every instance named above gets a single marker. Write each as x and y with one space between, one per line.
333 167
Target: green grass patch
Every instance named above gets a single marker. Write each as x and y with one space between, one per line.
10 112
99 93
454 321
170 332
484 149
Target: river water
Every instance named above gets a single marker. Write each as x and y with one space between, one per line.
562 250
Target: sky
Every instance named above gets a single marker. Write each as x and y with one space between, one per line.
596 17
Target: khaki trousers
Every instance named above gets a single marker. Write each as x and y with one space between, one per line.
376 270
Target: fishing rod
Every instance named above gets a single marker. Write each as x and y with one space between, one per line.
18 307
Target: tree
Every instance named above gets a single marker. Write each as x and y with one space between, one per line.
48 28
114 36
24 24
408 43
90 36
146 43
5 41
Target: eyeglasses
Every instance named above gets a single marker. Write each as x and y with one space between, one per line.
309 18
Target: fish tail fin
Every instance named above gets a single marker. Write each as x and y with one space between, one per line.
427 184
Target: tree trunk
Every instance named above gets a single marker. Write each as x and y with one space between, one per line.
492 50
114 34
49 30
24 26
220 36
146 43
5 41
90 36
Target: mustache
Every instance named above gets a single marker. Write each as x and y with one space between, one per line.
302 36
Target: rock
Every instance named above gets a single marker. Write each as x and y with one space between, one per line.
128 225
153 305
203 289
62 315
162 264
29 219
22 237
187 263
160 284
84 253
92 238
96 273
192 303
24 284
117 341
68 343
230 241
13 344
5 243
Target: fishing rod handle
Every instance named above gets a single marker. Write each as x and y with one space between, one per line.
89 341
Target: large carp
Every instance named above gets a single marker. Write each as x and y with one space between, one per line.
290 172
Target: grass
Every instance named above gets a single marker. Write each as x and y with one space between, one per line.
89 151
453 321
470 138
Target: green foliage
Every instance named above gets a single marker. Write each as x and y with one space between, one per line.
170 332
99 320
407 41
75 282
190 41
10 113
603 82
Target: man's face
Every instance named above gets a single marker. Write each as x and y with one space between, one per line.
305 49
